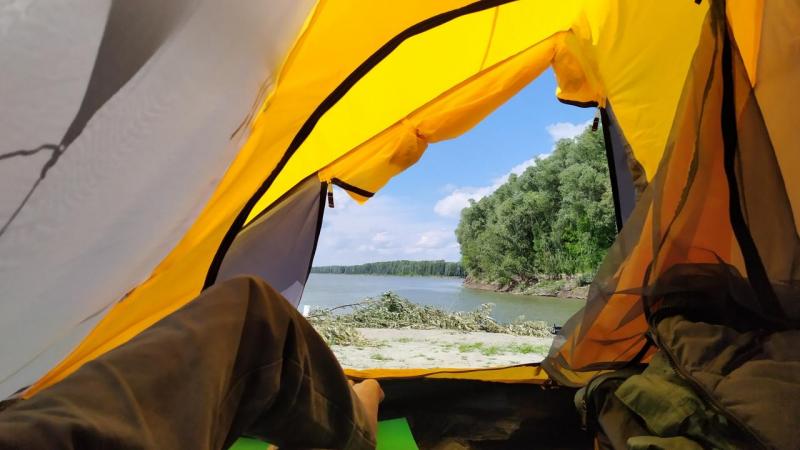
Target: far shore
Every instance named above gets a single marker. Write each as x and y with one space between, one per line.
575 292
449 277
408 348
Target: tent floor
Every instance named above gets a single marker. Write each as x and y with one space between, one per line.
475 415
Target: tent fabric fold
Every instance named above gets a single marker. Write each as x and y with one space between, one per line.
720 198
352 93
146 126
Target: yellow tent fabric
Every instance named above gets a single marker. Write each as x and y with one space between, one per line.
533 374
704 228
369 84
372 164
641 51
745 19
721 207
418 71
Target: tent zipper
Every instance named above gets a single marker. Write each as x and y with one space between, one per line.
352 189
330 194
347 187
709 399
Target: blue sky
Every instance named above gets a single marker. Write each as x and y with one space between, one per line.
415 215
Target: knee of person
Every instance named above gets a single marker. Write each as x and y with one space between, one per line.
257 289
246 282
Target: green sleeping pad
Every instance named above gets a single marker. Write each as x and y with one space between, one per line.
393 434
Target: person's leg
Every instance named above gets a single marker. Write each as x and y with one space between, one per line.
239 359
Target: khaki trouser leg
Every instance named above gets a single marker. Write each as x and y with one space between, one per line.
237 360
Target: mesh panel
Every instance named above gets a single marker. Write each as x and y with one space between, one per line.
712 235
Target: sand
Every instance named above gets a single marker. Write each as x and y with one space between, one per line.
392 348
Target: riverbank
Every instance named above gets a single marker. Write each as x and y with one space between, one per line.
408 348
325 291
570 287
391 331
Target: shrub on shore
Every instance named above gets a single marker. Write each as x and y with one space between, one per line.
392 311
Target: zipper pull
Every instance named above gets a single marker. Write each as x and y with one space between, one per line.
596 121
330 194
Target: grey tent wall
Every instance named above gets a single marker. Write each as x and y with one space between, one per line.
116 122
620 165
278 246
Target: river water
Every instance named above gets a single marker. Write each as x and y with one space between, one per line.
329 290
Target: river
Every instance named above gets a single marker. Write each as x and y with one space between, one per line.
329 290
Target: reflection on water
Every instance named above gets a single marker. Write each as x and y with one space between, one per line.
329 290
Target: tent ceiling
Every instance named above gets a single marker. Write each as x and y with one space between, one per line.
418 71
375 81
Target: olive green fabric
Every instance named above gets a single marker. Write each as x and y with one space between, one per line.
671 408
658 443
724 378
603 414
238 360
753 375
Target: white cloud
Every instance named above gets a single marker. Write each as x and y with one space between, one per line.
452 204
382 238
434 239
519 168
566 130
459 197
382 229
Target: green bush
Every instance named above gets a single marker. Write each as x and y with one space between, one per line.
392 311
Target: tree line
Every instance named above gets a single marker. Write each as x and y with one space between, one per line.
438 268
554 219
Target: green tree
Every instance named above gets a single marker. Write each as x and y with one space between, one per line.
555 218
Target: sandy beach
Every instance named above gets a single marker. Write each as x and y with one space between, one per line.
405 348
